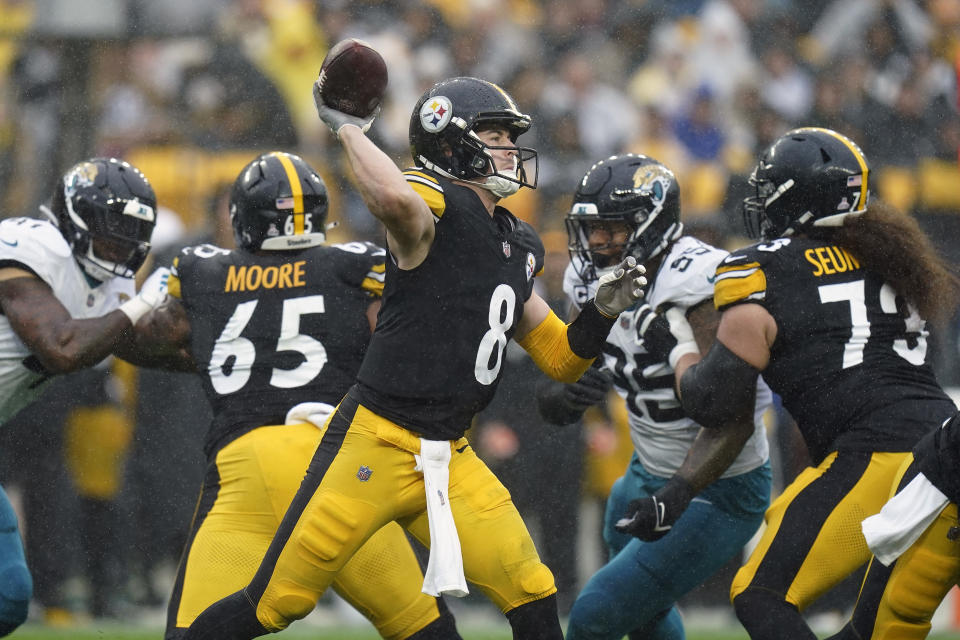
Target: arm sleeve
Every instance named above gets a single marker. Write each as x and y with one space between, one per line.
720 389
552 349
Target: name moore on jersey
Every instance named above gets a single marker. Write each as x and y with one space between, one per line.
274 330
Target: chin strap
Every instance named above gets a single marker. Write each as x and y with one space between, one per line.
500 186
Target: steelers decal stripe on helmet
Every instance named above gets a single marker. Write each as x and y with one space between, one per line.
737 283
855 150
506 96
296 191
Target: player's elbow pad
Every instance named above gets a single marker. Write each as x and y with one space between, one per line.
563 351
720 389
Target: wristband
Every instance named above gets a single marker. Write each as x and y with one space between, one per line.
588 333
135 308
682 349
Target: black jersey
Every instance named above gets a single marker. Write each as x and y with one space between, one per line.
436 355
849 360
272 331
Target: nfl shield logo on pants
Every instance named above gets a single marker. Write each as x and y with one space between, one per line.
364 473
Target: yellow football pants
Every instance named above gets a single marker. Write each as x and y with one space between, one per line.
361 478
898 602
245 495
813 538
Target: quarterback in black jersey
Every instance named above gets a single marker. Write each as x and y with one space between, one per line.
276 330
459 285
830 307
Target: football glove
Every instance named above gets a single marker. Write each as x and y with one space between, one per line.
667 336
152 294
590 389
619 289
337 120
652 518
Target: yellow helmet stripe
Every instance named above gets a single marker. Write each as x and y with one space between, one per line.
855 150
296 191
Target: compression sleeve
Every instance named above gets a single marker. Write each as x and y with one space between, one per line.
564 351
720 389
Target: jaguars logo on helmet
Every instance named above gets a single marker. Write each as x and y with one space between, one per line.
808 177
106 210
632 189
278 203
443 134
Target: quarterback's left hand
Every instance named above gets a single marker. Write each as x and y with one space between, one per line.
652 518
619 289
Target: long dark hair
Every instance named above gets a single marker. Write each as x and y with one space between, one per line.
892 245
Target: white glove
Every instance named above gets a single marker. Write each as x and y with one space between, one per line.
152 294
620 288
337 120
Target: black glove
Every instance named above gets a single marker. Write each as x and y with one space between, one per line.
590 389
666 335
652 518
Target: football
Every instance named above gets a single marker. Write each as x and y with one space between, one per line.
353 78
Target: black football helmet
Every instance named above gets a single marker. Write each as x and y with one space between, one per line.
106 210
632 189
278 203
443 136
809 177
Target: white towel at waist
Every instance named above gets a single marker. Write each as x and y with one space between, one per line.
315 412
444 574
902 520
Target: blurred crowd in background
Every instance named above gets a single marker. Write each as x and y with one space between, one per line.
108 466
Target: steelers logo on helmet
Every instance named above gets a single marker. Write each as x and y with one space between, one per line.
435 114
444 135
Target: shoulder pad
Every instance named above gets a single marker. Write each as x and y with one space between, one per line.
740 277
189 260
36 244
527 236
686 277
365 262
427 187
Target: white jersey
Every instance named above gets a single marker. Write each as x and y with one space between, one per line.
38 246
660 430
